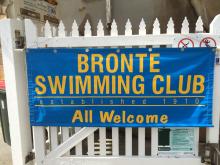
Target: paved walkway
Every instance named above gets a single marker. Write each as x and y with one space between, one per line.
5 151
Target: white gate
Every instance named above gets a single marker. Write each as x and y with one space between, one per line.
64 145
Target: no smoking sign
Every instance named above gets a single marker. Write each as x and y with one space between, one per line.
185 43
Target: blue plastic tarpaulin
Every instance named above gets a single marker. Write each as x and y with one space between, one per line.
126 87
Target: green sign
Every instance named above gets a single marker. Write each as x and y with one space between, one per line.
182 139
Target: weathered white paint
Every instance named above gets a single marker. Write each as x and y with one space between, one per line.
126 160
213 133
39 140
16 87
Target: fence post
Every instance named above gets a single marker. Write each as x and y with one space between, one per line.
38 132
16 88
213 133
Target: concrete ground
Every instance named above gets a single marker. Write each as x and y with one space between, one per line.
5 151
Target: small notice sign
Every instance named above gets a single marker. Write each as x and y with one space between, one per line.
208 42
185 43
182 139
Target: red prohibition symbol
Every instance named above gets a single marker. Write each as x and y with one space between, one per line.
185 43
208 42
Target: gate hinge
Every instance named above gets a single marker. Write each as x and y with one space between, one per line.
208 150
29 157
217 60
19 40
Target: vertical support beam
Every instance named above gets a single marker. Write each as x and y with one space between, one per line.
38 132
16 88
213 133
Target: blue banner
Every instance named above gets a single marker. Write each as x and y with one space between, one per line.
126 87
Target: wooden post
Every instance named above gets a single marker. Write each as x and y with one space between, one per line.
213 133
38 132
16 90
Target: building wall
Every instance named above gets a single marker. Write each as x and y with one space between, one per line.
136 9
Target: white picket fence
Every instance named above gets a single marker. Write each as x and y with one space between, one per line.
63 145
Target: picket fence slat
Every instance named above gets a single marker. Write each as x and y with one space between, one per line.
156 27
47 30
90 139
128 130
53 137
65 133
170 26
39 144
154 131
128 141
141 141
142 27
115 141
102 140
128 28
102 131
100 29
199 25
61 30
185 26
141 131
54 31
87 31
91 144
79 145
75 31
114 29
115 130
